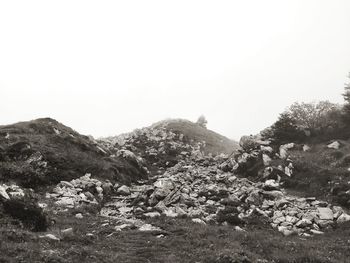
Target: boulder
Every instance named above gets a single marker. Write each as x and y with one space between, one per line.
248 143
304 223
284 150
325 213
266 159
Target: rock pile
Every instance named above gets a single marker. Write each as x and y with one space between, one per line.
203 188
206 194
155 148
260 161
84 190
8 192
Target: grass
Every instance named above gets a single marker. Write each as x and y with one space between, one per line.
183 241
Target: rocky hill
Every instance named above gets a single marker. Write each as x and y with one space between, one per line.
43 152
214 143
165 143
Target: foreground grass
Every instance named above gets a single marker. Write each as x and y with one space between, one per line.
181 241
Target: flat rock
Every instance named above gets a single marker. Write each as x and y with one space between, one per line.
325 213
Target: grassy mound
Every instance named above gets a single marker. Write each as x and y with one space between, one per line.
44 152
214 142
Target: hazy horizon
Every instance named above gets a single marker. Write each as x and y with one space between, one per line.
106 68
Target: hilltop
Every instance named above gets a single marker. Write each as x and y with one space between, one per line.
214 143
164 144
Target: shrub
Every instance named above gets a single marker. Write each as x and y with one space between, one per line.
285 130
322 120
28 212
202 121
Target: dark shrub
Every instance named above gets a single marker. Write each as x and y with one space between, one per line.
28 212
229 215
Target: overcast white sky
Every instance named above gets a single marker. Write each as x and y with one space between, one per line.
107 67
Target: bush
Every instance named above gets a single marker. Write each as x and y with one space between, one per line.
301 121
28 212
285 130
202 121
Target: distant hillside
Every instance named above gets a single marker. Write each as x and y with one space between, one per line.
44 151
214 142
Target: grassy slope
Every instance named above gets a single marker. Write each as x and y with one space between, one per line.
320 170
68 153
184 241
215 143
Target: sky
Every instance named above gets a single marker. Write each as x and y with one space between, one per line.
109 67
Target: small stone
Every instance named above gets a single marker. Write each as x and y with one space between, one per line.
123 190
66 184
149 227
286 231
343 218
152 214
334 145
316 232
50 237
3 193
282 202
198 221
270 185
170 213
79 216
239 229
67 232
306 148
121 227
